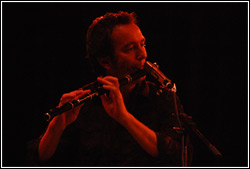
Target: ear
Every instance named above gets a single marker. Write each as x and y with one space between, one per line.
105 62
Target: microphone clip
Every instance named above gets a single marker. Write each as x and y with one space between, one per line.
153 70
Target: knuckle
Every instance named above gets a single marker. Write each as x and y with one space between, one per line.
115 80
68 95
64 95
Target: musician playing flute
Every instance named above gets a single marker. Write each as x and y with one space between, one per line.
131 125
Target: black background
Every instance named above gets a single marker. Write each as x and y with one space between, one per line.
202 47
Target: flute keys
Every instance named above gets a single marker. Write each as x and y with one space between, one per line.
156 65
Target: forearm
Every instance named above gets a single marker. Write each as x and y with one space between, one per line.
50 139
146 137
115 108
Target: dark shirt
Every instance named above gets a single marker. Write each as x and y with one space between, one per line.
95 139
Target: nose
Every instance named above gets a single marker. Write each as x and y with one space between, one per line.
141 53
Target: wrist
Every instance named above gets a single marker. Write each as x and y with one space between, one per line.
58 124
50 139
125 119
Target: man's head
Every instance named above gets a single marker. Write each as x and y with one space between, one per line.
115 44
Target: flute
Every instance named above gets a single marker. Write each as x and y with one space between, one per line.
96 91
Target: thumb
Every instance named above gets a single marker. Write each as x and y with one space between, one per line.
104 98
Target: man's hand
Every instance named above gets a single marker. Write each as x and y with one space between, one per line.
115 107
50 139
70 116
113 104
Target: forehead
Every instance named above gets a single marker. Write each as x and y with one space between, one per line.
123 34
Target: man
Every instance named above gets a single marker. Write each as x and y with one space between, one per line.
127 126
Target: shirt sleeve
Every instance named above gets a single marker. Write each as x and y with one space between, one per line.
64 154
32 158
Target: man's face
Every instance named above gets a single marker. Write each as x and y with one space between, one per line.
129 50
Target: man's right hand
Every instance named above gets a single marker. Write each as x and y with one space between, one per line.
70 116
50 139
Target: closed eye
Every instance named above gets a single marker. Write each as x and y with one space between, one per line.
143 42
134 45
130 47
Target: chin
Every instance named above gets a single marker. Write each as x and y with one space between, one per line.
130 71
142 78
139 80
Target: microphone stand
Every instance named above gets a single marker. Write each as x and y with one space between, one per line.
153 70
188 121
179 129
190 124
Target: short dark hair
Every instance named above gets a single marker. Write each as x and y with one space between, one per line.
99 42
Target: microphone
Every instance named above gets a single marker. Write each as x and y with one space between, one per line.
153 69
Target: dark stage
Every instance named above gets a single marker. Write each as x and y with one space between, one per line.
202 47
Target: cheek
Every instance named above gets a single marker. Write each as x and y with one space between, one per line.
129 58
124 60
123 66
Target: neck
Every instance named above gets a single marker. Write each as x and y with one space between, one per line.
126 91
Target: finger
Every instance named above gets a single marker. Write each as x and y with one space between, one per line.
66 98
104 99
81 94
114 92
112 79
104 81
110 87
73 95
109 80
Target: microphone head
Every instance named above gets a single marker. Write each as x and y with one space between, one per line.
153 70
